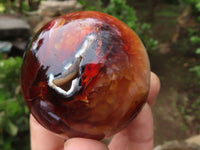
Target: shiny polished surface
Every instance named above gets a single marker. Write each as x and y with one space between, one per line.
85 74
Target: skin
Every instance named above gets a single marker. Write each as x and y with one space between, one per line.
138 135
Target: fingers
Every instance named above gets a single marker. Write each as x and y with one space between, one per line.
42 139
84 144
154 89
139 133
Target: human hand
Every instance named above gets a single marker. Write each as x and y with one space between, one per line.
138 135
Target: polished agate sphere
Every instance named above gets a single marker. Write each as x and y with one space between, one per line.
85 74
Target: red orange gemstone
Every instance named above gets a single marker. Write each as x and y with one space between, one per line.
85 74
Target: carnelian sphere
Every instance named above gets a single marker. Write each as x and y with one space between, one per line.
85 74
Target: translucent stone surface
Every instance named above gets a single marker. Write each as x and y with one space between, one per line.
85 74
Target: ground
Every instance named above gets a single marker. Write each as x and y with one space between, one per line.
178 84
169 122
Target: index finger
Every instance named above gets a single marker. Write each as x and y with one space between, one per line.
42 139
139 133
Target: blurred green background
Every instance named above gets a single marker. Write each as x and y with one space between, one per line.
170 30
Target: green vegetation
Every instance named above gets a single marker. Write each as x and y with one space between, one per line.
195 37
18 6
14 129
194 33
183 80
125 13
189 109
189 113
2 8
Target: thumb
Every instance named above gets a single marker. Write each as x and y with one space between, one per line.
84 144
